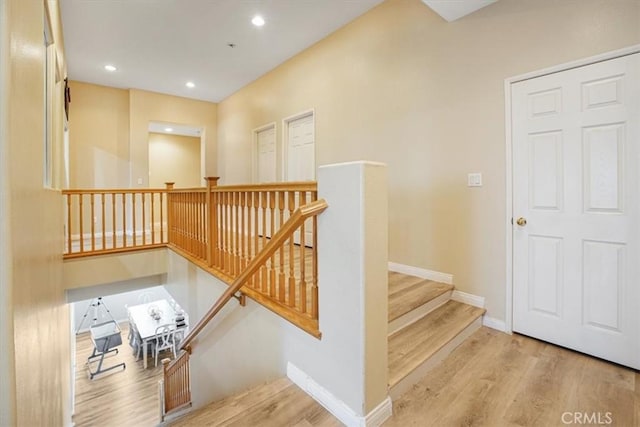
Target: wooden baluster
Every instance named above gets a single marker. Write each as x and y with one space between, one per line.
223 231
124 221
69 220
180 226
144 219
228 228
211 215
81 223
303 281
104 235
216 230
113 221
281 271
243 203
189 221
93 222
236 230
255 202
263 271
201 226
161 218
272 262
133 217
292 259
153 218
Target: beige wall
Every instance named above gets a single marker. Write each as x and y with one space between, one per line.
148 107
36 379
401 86
108 132
98 137
174 158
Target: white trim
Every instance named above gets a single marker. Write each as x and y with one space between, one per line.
509 159
334 405
493 323
436 276
254 148
466 298
285 143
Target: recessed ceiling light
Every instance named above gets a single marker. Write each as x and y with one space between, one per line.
110 67
190 85
258 21
168 129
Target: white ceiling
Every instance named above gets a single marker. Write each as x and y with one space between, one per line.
159 45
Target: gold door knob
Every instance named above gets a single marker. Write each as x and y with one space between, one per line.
521 222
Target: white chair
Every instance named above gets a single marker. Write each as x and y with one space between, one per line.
136 340
179 335
165 340
146 297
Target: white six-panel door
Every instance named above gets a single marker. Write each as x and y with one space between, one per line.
266 155
576 161
301 161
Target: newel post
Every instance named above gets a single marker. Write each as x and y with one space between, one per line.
169 186
212 220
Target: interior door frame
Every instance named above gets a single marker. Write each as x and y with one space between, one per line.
255 148
285 139
508 328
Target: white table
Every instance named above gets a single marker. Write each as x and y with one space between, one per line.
147 325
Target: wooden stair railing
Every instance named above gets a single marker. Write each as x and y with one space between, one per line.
173 392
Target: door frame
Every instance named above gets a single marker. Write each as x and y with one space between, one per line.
509 157
285 139
254 148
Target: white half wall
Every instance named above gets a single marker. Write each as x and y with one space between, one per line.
350 361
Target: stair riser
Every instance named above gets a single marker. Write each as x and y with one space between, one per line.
421 371
417 313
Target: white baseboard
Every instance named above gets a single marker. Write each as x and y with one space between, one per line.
493 323
436 276
466 298
334 405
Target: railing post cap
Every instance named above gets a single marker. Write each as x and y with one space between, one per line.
166 361
212 180
169 185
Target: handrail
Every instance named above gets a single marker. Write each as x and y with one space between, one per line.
270 186
112 190
284 233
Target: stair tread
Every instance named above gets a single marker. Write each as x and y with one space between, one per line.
411 297
414 344
279 402
401 281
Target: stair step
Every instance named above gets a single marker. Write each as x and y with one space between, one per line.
277 403
442 329
411 298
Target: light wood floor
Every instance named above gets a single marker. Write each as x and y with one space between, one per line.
119 397
495 380
491 380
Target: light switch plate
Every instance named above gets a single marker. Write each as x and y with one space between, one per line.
474 179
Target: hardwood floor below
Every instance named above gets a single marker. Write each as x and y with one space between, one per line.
120 397
491 380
